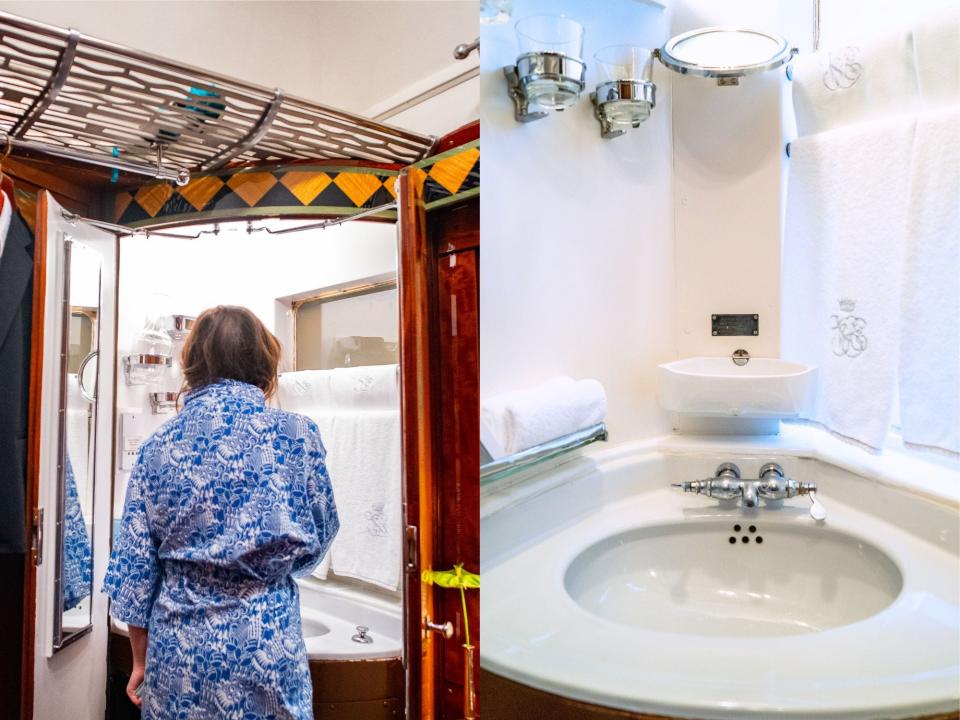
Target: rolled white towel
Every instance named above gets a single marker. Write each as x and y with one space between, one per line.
525 418
368 387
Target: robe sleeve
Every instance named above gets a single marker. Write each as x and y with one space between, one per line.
323 508
133 576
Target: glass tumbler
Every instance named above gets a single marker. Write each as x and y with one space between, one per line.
550 40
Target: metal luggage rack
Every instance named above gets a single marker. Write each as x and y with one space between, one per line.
496 469
70 96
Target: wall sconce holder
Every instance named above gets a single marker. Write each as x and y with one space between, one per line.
619 104
537 76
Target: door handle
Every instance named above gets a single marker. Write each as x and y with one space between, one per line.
445 629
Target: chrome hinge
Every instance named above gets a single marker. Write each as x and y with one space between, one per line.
413 549
36 537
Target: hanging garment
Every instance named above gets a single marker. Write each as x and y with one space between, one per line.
16 313
227 501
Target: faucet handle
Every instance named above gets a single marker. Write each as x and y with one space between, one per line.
817 511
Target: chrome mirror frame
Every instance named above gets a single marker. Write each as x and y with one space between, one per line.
725 75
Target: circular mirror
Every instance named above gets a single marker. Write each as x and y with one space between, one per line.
87 377
723 52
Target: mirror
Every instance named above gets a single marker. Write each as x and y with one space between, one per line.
349 327
75 469
725 53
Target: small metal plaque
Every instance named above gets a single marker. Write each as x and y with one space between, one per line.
735 324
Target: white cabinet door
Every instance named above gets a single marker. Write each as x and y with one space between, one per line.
69 681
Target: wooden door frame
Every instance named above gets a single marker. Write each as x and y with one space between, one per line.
417 380
28 656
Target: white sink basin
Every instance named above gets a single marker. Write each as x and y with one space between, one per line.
691 579
756 396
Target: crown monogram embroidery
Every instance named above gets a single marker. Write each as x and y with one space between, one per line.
843 69
849 338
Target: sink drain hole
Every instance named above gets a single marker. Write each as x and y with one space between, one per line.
759 539
733 541
736 528
745 539
753 528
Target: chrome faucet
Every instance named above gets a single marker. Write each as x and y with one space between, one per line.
772 485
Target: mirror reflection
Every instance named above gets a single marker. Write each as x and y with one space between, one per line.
81 305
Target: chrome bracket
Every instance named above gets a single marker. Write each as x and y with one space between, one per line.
255 135
36 542
606 128
616 91
413 549
521 107
57 80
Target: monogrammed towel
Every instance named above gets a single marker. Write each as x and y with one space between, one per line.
843 249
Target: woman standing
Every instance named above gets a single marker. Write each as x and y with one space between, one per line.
227 501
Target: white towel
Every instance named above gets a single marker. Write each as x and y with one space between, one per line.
936 44
843 245
363 459
525 418
930 351
368 387
854 82
321 570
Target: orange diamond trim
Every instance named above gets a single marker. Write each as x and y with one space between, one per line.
199 191
153 197
120 204
390 183
358 186
452 171
305 186
251 186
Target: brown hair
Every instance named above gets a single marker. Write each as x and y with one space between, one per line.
229 342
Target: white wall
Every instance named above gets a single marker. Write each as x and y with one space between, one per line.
577 231
170 276
442 113
729 180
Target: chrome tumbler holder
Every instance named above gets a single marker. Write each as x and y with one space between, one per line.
565 73
618 98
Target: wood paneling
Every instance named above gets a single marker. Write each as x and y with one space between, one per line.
344 681
461 136
507 700
458 296
416 274
348 689
71 188
33 453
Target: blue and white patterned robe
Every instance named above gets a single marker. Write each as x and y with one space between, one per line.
77 555
227 501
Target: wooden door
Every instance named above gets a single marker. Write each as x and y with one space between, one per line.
454 234
439 282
